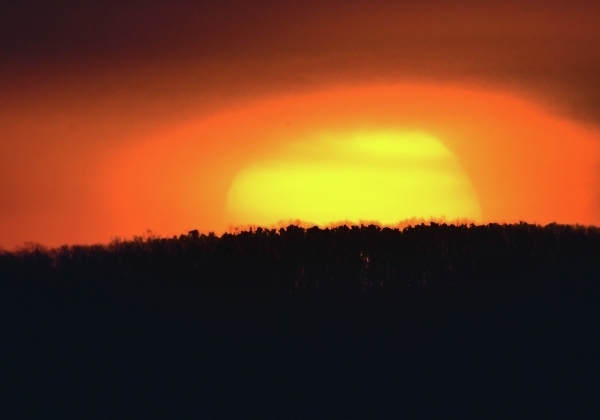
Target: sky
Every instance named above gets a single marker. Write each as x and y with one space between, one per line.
122 116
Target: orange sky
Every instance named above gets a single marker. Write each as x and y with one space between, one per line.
119 117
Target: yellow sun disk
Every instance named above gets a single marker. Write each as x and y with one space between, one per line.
385 177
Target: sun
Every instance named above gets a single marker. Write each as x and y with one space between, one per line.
385 176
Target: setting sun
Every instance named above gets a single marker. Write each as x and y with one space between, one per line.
384 176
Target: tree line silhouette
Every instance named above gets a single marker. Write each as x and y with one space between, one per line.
357 258
431 321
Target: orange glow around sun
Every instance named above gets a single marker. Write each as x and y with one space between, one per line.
378 153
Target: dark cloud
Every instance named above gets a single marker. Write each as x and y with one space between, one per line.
547 50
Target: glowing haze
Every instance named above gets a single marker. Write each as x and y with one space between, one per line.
378 153
118 117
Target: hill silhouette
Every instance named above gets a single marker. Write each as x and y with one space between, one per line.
428 321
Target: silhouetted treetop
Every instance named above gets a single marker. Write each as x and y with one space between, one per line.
352 258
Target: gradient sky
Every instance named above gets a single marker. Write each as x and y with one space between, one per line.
118 116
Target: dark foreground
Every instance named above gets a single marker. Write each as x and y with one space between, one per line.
431 322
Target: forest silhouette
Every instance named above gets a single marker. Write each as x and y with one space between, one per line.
485 321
